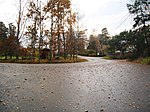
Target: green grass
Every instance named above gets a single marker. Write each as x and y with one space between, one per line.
43 61
145 61
112 58
8 58
69 60
107 57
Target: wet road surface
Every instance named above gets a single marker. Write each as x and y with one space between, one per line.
95 86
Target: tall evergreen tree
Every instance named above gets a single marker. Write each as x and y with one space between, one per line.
140 9
3 39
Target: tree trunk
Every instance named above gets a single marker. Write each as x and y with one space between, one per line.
58 44
64 45
18 29
148 46
5 56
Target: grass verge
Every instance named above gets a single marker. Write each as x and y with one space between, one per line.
107 57
145 60
44 61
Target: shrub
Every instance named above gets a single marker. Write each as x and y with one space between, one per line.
145 61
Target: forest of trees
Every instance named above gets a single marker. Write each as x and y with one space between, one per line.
137 40
134 43
53 28
52 25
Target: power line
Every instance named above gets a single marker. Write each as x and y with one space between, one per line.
123 21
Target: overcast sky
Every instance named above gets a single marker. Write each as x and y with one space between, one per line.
98 14
105 13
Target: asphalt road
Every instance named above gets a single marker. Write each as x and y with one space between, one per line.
95 86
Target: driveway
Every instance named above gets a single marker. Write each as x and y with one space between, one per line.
95 86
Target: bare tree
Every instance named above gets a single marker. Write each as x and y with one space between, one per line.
57 11
21 23
34 15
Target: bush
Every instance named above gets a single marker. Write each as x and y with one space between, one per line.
145 61
88 52
107 57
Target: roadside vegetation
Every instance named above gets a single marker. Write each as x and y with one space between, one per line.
43 33
42 61
133 45
144 60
